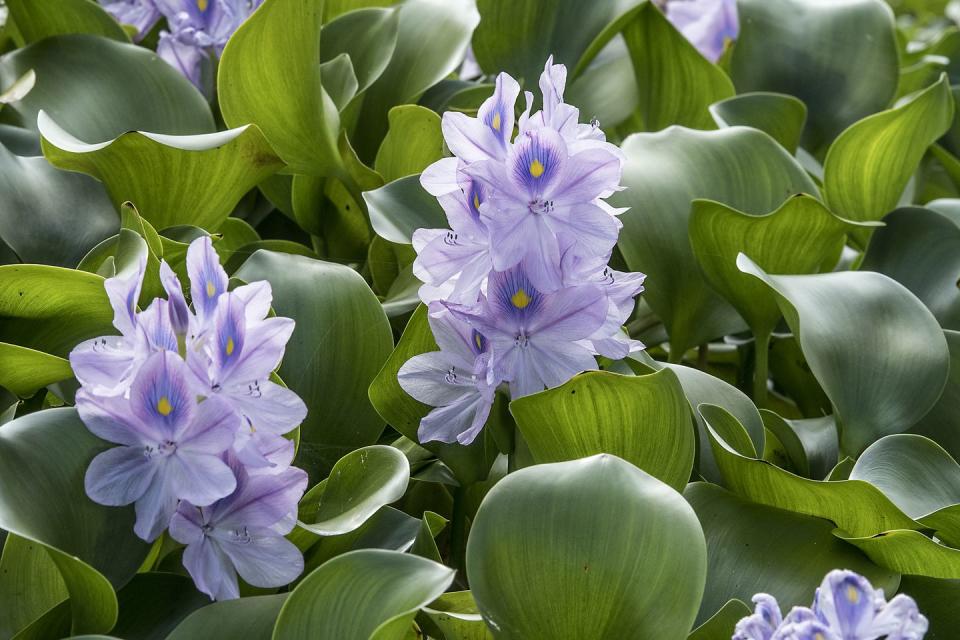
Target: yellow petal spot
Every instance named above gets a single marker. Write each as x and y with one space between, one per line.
819 636
202 4
476 338
476 202
164 407
520 299
210 289
496 121
229 347
852 594
536 168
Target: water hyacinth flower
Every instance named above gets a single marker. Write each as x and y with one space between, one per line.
522 270
845 607
454 380
533 335
171 445
243 534
185 391
707 24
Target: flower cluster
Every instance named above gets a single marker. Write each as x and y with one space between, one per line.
708 24
197 27
845 607
188 397
519 289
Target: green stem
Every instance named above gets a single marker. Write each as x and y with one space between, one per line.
761 351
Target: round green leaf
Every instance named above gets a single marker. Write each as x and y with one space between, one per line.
247 618
777 114
24 370
269 75
413 142
753 548
360 484
169 177
368 36
30 586
643 419
537 567
401 207
361 595
49 216
942 423
839 58
920 249
879 354
869 165
664 173
99 89
802 236
341 340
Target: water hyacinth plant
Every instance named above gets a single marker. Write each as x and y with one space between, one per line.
479 320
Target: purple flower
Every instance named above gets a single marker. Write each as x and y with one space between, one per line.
243 534
707 24
845 607
534 336
171 445
459 256
543 202
488 135
140 14
453 379
197 28
207 280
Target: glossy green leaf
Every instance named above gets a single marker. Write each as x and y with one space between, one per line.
518 37
537 567
41 207
30 584
869 164
469 463
643 419
98 89
432 38
360 595
919 477
60 17
24 370
664 173
20 87
339 80
413 142
942 423
341 340
42 499
920 249
937 599
368 36
777 114
249 618
853 505
401 207
360 484
839 58
720 624
169 177
802 236
753 548
269 75
675 84
388 529
907 551
851 325
51 309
